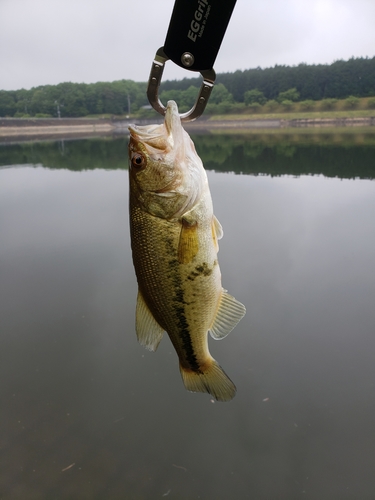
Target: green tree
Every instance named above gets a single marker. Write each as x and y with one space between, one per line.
254 96
289 95
23 100
254 107
220 94
173 95
7 103
352 102
307 105
287 104
41 101
272 105
328 103
189 96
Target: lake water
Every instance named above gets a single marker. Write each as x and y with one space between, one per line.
87 413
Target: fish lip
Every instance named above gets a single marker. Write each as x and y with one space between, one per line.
165 194
172 117
173 123
144 132
161 137
171 120
133 130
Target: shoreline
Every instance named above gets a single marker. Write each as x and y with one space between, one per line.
21 128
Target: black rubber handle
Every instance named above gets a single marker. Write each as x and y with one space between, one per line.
196 31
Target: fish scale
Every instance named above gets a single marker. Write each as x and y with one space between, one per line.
171 296
174 237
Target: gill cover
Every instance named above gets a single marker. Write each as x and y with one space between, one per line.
167 174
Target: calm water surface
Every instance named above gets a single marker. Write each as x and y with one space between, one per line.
87 413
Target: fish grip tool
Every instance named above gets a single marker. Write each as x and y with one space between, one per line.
193 40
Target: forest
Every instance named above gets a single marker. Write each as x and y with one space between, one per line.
233 92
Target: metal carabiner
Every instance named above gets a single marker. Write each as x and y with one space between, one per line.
155 80
194 36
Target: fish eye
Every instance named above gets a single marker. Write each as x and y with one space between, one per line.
138 160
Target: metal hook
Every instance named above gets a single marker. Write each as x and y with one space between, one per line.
154 83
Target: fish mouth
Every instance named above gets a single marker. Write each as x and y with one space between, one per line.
172 119
162 136
151 136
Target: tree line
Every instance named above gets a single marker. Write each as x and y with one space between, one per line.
337 80
353 79
74 99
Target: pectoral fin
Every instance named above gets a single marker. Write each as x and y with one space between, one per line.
229 313
149 332
218 229
188 245
217 232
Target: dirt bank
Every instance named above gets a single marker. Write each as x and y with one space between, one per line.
13 127
30 128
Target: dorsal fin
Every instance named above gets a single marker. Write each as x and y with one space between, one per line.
229 313
149 332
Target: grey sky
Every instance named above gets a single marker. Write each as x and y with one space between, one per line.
52 41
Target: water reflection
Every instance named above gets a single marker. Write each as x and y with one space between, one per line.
346 155
76 388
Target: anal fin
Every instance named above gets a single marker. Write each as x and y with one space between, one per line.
149 332
229 313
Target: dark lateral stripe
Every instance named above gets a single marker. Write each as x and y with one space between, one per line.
187 345
183 326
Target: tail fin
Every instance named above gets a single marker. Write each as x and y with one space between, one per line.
212 380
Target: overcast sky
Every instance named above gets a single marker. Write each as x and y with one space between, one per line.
53 41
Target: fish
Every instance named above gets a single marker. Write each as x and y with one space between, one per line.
174 241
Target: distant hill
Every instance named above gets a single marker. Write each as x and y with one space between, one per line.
337 80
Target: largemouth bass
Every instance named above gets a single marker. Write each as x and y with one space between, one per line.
174 238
